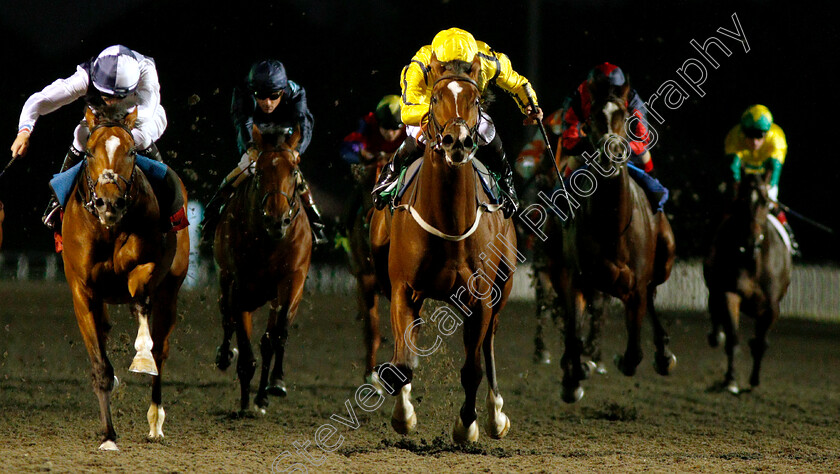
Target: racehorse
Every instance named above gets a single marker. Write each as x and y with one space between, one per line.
437 245
361 265
263 246
116 251
613 243
748 269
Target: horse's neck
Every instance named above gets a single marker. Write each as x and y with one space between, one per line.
611 204
445 196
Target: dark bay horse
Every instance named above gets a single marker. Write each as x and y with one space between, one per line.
438 245
614 244
748 269
263 246
115 252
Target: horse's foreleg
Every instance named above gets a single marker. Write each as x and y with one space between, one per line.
635 308
368 303
717 311
732 309
475 330
664 361
758 345
94 326
573 370
544 295
397 375
592 344
498 422
224 354
247 364
144 361
277 323
164 316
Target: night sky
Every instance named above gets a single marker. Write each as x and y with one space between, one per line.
348 54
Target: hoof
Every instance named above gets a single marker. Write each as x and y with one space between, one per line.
589 368
144 363
155 415
542 357
664 365
223 361
462 435
600 368
405 427
261 401
716 338
572 395
116 384
277 390
623 367
732 387
497 429
108 446
259 410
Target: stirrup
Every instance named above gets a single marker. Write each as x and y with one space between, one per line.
318 234
50 215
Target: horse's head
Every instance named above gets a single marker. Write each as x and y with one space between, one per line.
275 179
607 131
455 109
753 204
109 171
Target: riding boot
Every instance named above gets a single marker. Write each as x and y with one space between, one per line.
794 245
312 212
405 155
52 213
501 168
152 152
213 209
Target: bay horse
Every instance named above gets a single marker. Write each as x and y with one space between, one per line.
748 269
117 252
613 243
437 245
368 288
263 246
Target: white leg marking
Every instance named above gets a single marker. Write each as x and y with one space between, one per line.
143 362
155 416
498 423
108 446
403 418
461 434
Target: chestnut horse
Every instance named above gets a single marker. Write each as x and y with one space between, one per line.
115 252
614 244
748 269
263 246
438 245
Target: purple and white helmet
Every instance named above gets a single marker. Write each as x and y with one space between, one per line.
116 71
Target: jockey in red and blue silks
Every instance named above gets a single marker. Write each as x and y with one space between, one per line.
576 113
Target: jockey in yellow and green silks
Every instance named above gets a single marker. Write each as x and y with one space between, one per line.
757 145
449 45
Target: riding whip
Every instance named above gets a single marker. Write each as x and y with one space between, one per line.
553 159
15 157
805 219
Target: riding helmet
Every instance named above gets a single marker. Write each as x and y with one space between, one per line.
454 43
267 76
757 117
609 73
388 112
116 71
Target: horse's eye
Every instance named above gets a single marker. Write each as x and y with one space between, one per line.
434 99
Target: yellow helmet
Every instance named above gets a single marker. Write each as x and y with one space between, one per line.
454 43
757 117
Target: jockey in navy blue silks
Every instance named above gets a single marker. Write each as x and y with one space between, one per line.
271 102
122 79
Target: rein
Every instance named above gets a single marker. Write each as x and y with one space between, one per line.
294 207
435 137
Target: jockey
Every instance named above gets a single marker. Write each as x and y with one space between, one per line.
603 80
456 44
758 145
120 77
379 135
270 101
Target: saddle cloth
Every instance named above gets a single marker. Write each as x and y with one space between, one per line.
488 182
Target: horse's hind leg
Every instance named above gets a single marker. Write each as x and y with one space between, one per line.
475 330
498 423
664 361
573 370
246 365
545 298
592 344
758 345
94 326
368 303
731 305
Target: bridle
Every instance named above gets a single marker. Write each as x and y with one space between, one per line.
435 133
90 203
294 204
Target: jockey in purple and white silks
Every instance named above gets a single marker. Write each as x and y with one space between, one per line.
121 78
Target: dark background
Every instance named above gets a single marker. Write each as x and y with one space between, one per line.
348 54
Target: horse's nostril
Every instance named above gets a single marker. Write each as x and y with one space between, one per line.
120 203
287 221
468 142
448 140
99 202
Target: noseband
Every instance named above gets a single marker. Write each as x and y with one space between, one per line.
109 178
294 207
437 129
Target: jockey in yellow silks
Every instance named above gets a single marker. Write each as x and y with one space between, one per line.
456 44
757 145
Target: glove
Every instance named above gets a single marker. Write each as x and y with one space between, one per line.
247 160
773 193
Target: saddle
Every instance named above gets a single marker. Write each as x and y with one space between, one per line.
488 181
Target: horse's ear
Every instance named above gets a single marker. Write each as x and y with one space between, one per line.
90 118
296 137
475 69
256 137
624 91
436 68
130 119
